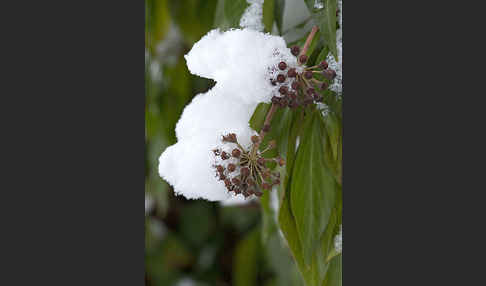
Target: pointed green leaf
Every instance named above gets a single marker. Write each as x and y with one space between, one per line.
326 19
313 187
268 15
279 11
233 9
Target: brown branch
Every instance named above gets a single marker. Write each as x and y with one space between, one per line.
308 41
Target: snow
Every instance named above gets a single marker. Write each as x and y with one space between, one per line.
338 240
252 18
337 84
318 4
241 61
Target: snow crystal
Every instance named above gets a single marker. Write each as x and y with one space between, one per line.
337 84
242 62
253 16
338 240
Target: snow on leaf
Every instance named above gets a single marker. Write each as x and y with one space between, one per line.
252 18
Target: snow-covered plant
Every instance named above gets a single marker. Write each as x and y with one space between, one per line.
271 123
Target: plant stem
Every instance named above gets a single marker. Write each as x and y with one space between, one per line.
308 41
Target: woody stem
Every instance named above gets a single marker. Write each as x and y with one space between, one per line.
308 41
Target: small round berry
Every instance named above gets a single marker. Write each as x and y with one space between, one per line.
308 74
275 100
266 128
266 186
292 95
329 74
224 155
295 85
303 59
230 138
280 78
255 139
324 86
261 161
220 168
227 182
323 65
245 171
308 99
231 167
282 65
283 89
236 181
236 153
292 72
281 162
295 50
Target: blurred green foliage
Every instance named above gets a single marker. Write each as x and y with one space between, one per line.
195 242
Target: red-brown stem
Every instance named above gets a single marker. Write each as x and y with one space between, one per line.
308 41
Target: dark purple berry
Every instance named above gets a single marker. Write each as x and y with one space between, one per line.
292 72
308 74
245 171
303 59
329 74
292 95
283 89
222 177
230 138
323 65
324 86
231 167
295 85
236 153
227 182
220 168
236 181
275 100
295 50
224 155
282 65
280 78
255 139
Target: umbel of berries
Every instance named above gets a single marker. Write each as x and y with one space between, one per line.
300 85
245 171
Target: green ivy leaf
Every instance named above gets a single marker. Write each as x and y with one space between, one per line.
233 9
313 187
279 11
326 19
334 275
268 15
